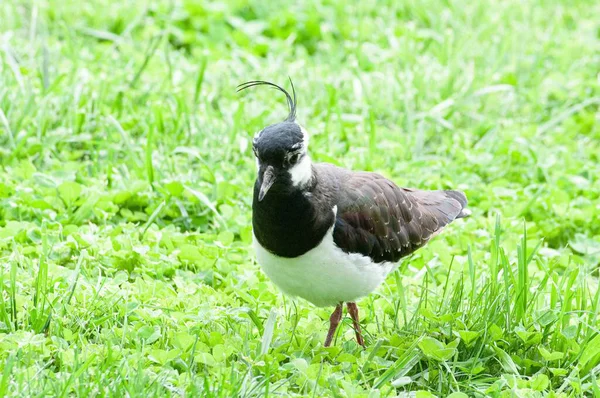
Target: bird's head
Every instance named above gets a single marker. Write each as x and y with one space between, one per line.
281 150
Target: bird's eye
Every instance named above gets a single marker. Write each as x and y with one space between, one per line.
294 159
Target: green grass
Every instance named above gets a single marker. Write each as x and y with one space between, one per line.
125 195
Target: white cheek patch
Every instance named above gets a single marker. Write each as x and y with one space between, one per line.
301 173
304 136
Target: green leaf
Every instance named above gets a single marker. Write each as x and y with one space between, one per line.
550 356
162 357
548 318
570 332
204 358
559 371
590 353
435 349
424 394
428 314
149 334
449 317
69 191
495 332
346 357
506 361
190 253
145 332
468 336
184 341
402 381
529 338
300 363
226 238
219 353
175 188
458 395
540 382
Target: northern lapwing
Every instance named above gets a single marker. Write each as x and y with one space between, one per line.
331 235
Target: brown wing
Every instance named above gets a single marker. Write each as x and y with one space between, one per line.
376 218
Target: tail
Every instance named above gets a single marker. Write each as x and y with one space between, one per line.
461 198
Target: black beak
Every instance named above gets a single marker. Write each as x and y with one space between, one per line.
267 181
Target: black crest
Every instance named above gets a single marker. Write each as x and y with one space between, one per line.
291 99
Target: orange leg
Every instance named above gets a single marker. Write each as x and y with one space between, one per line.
353 311
334 321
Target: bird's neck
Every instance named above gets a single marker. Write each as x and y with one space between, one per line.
284 201
288 222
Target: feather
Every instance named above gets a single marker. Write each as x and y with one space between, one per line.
378 219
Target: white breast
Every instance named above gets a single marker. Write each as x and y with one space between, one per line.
325 275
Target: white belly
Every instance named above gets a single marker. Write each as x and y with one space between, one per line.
325 275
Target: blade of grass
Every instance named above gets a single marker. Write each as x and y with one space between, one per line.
268 332
409 358
152 47
8 365
77 374
153 217
200 79
148 152
205 201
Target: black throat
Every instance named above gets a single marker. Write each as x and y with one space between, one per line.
291 221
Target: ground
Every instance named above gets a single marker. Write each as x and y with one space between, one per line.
125 195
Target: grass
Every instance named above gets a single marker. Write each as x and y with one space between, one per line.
126 173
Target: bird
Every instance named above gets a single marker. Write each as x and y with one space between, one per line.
331 235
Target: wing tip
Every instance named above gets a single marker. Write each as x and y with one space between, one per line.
464 213
461 198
